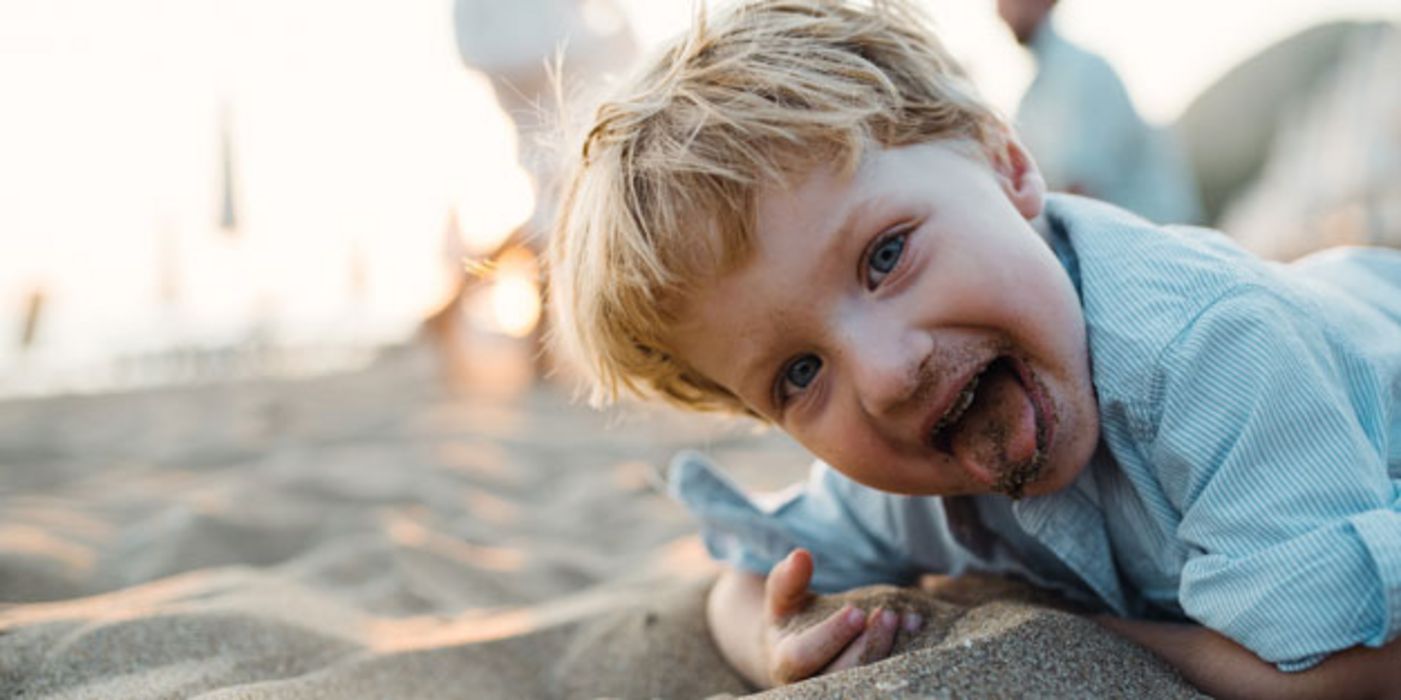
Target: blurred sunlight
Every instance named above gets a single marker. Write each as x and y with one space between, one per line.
354 127
515 293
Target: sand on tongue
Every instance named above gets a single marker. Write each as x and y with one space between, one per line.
999 429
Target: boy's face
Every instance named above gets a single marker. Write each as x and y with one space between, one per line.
908 325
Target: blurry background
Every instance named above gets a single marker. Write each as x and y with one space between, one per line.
207 189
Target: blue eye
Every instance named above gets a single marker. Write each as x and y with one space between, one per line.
796 376
883 258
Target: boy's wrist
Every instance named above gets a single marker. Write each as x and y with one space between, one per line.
734 616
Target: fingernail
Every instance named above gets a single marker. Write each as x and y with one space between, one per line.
888 620
913 621
855 617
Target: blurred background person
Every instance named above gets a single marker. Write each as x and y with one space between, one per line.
516 46
520 46
1077 119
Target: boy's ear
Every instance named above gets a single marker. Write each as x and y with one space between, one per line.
1019 177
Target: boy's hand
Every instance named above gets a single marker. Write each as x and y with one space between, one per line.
796 648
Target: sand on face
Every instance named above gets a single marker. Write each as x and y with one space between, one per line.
370 536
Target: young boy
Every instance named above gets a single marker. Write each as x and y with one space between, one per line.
803 213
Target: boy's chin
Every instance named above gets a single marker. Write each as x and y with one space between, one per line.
1052 479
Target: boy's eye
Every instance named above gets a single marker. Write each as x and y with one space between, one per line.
883 258
796 376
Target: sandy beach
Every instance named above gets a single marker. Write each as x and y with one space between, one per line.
371 535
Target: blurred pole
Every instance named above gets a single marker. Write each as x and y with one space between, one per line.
33 311
359 274
444 325
167 265
228 213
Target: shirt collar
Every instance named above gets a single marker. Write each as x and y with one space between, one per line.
1057 235
1070 522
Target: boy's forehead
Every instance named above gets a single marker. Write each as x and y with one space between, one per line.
724 241
823 187
801 194
809 210
797 224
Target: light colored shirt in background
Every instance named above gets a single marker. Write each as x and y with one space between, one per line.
1081 127
1248 475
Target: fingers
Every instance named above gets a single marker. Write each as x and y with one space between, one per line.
845 639
786 588
807 652
873 644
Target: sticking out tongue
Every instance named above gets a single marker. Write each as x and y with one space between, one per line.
996 438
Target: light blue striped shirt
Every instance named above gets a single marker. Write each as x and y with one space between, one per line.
1248 474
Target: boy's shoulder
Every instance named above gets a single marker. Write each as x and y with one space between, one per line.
1142 286
1161 274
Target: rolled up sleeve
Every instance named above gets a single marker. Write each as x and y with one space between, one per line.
1271 442
1380 532
858 536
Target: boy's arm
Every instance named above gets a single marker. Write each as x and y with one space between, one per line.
747 616
1222 668
1269 443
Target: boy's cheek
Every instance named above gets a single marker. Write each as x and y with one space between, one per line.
853 452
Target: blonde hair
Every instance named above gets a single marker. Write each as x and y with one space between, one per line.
662 193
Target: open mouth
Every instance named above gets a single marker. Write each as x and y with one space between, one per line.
996 428
939 435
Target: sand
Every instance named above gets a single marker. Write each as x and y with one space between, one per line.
372 535
993 638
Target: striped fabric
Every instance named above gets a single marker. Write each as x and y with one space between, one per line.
1249 472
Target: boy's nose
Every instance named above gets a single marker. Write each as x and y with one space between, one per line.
885 367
